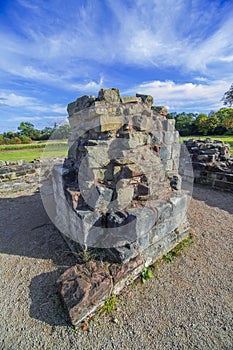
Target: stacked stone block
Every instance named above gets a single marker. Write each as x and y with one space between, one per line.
21 176
212 163
119 190
121 172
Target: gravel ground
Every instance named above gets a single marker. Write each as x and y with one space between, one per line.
188 305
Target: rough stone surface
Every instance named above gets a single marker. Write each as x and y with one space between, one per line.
84 287
212 163
20 175
118 192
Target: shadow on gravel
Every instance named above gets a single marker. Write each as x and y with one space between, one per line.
214 198
46 304
26 230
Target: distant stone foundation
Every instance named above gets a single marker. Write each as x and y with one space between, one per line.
20 175
212 163
117 196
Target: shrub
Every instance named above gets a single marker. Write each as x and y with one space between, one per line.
25 139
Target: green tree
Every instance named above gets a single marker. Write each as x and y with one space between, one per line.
184 123
225 116
25 139
201 124
1 139
228 97
27 129
46 133
9 135
62 132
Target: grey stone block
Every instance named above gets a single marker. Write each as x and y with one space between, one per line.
123 254
165 152
168 137
176 151
179 203
164 210
167 164
169 125
145 219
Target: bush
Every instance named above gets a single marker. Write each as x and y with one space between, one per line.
25 139
17 140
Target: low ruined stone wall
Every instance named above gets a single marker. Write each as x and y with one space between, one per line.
212 163
216 180
21 175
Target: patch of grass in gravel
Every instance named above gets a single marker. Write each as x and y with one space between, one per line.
146 274
182 246
109 305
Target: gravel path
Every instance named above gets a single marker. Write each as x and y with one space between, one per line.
188 306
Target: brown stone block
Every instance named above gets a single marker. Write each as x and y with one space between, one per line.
118 271
84 287
109 123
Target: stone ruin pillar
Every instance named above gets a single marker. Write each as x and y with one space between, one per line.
118 193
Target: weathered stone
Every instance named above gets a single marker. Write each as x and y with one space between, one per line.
145 219
123 166
99 197
97 157
109 95
79 104
110 123
123 254
211 162
167 164
175 180
115 229
130 99
168 137
119 271
143 123
156 137
160 110
169 125
165 152
125 194
83 288
148 99
179 203
175 151
202 157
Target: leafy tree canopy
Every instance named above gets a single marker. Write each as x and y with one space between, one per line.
228 97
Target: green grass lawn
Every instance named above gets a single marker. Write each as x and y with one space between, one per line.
31 154
36 144
225 138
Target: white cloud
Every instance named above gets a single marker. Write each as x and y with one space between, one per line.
149 33
226 59
25 119
27 4
186 95
201 79
14 100
10 99
91 86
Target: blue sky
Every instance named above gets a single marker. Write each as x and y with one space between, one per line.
53 51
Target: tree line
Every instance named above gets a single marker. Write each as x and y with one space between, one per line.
27 133
215 123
